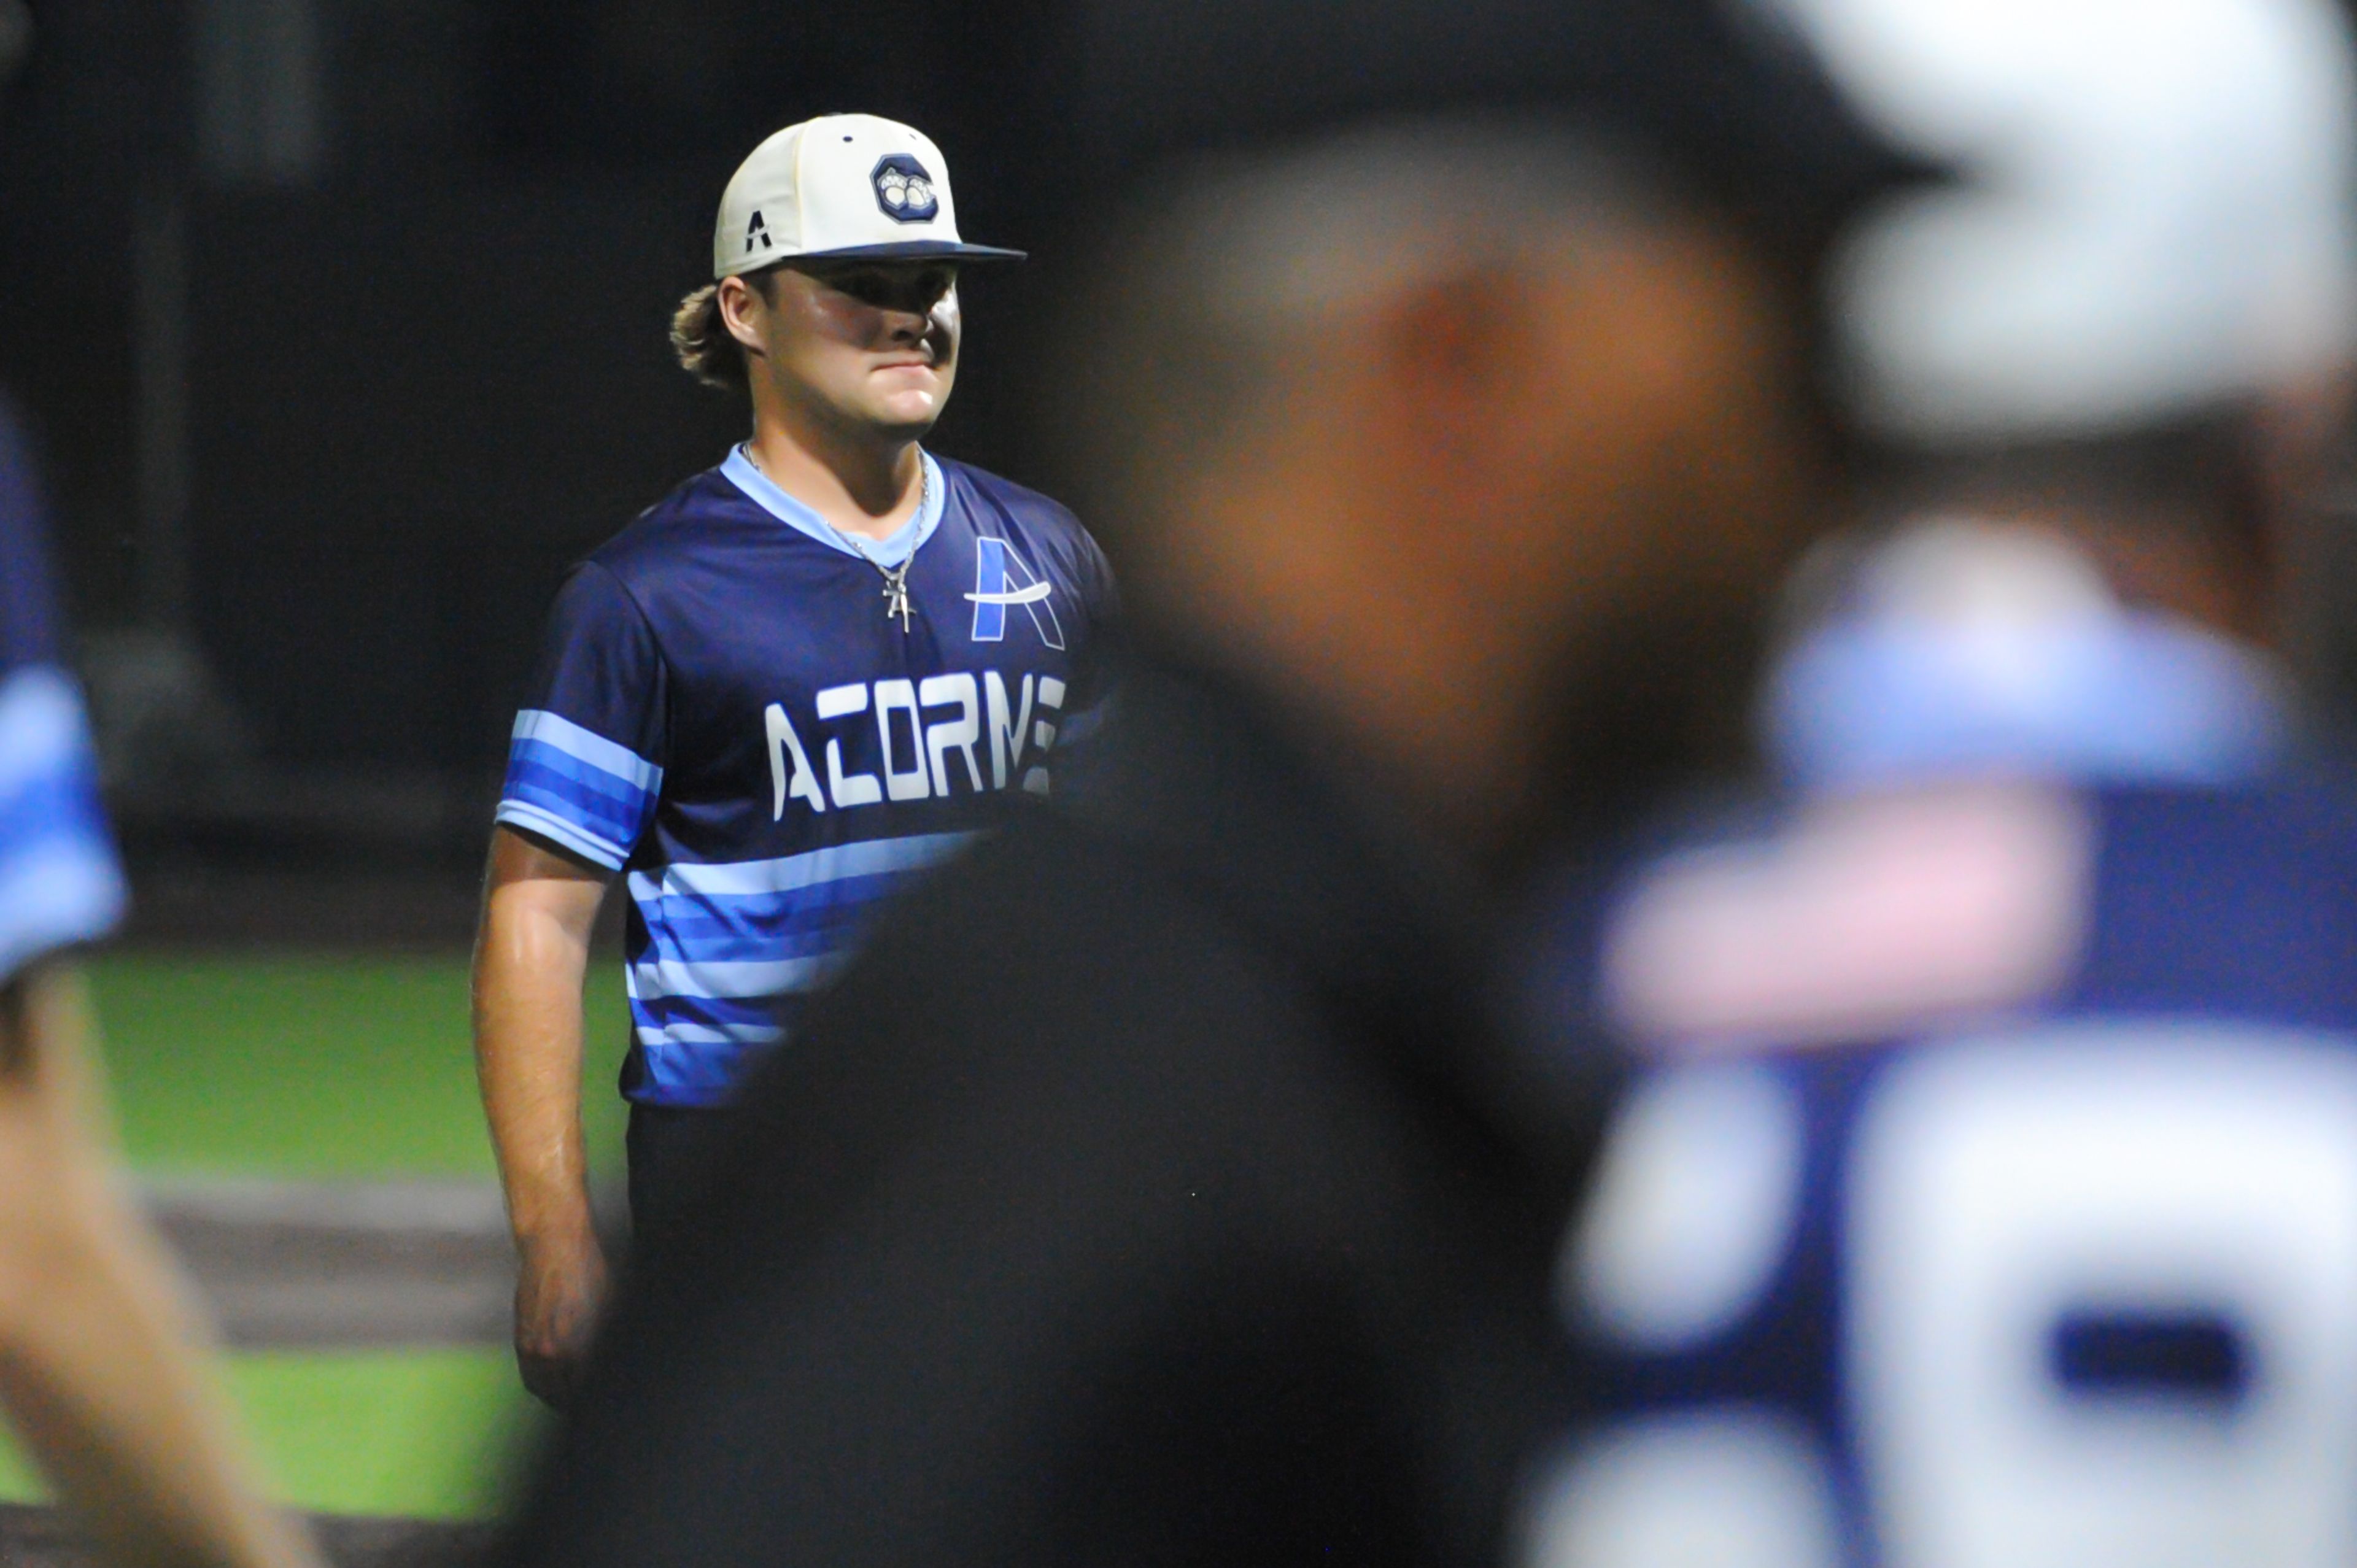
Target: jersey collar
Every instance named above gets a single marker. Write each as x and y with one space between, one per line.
2041 673
889 551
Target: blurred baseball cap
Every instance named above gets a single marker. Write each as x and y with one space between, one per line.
849 186
2157 213
1724 100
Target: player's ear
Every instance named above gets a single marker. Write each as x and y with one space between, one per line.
743 311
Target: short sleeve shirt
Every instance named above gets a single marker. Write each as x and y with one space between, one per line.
726 713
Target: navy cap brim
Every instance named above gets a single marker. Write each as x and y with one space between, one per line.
914 251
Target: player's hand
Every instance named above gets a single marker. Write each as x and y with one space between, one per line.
560 1288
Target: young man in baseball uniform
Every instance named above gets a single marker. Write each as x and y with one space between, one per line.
798 679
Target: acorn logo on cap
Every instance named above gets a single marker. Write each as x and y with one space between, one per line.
904 190
841 185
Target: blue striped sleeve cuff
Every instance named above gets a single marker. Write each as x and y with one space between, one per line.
59 881
575 786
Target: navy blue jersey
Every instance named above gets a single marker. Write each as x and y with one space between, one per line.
60 884
726 713
1988 1194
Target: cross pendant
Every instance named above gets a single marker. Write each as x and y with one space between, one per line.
895 601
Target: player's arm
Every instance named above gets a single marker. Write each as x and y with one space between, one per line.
539 905
100 1363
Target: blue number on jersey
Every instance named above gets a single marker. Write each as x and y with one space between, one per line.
2072 1285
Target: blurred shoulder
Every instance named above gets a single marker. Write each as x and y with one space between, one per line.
2306 811
1865 915
1855 916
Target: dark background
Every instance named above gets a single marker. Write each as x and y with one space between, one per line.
340 325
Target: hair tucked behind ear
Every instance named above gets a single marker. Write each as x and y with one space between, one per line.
700 337
701 341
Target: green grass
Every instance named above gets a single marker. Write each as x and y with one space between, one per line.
332 1067
421 1433
428 1433
316 1066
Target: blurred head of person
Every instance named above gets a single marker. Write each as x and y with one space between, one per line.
2104 376
1477 437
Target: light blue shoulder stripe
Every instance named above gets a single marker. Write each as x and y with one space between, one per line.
587 746
42 727
755 878
2126 696
890 551
62 892
702 1035
60 883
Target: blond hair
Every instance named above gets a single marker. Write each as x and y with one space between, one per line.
699 335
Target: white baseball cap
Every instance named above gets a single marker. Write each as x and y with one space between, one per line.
841 185
2155 211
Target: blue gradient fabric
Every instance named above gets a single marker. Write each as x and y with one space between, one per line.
731 714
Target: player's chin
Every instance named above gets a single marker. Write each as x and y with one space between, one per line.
909 411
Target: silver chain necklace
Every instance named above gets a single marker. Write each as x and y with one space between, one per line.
896 578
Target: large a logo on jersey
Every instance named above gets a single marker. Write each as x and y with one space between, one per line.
1001 579
904 190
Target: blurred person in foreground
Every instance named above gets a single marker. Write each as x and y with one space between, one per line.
802 678
1993 1199
101 1357
1156 1186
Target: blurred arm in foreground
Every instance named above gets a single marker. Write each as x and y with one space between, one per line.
539 906
1156 1186
99 1348
101 1355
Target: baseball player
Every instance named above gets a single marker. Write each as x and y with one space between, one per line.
99 1359
1990 1193
798 679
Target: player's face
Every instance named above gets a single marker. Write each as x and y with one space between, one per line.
873 345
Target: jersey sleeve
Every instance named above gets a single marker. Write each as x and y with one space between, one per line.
586 759
59 881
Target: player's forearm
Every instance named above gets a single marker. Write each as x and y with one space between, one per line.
99 1350
528 1051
